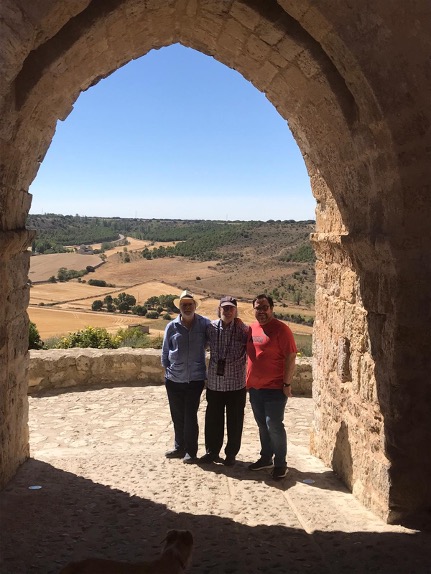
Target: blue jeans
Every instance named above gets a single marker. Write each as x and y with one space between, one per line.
184 399
268 408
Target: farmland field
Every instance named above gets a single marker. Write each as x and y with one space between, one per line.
52 322
244 270
136 244
42 267
73 301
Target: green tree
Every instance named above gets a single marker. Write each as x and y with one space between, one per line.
139 310
62 274
152 315
34 340
151 302
124 302
97 305
167 302
297 296
97 282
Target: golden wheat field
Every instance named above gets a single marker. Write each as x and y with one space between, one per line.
52 322
42 267
73 301
59 308
136 244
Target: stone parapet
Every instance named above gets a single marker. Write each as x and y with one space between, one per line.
66 368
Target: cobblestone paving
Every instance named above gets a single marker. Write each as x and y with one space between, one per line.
107 490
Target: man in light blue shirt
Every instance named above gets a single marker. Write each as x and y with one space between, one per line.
183 357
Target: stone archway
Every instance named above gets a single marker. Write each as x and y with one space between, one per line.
354 88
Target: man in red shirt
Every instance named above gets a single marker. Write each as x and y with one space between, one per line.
271 352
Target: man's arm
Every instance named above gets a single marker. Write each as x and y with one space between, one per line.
165 348
289 369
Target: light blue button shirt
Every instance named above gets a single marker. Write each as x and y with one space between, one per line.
183 350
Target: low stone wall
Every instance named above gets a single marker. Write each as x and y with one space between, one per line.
65 368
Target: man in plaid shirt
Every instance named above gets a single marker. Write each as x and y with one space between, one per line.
226 390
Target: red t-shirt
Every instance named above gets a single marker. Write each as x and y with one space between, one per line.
267 349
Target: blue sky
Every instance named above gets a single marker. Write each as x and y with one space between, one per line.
174 134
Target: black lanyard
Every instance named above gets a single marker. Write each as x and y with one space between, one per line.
230 339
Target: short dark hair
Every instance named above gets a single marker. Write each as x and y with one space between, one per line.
263 296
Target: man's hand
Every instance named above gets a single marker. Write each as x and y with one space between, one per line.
289 367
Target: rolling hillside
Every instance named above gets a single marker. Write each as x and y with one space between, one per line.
210 257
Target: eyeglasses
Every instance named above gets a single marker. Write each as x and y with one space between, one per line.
262 308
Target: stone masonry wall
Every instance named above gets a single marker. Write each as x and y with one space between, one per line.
353 83
64 369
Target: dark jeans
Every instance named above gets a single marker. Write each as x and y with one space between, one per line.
184 401
217 402
268 408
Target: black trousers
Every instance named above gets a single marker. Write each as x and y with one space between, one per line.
217 402
184 401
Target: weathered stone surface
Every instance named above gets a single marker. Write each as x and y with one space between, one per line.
353 82
58 369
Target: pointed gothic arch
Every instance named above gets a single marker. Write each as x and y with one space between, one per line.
354 88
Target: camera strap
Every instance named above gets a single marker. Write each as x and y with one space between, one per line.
227 347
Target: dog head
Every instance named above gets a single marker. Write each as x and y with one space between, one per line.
179 544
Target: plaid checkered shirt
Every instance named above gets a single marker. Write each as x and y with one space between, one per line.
227 343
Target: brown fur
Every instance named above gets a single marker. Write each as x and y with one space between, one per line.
174 559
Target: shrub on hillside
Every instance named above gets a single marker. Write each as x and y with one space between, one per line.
34 340
94 337
52 342
64 274
305 349
133 337
97 305
97 282
156 342
139 310
152 315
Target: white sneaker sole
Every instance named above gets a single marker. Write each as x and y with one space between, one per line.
262 467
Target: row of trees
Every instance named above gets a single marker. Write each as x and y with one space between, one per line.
126 303
54 231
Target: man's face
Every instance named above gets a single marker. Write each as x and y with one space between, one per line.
187 308
227 313
262 311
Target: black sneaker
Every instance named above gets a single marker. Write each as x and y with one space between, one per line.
208 458
188 459
261 464
229 461
279 472
176 453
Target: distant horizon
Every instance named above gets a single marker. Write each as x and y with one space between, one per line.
174 218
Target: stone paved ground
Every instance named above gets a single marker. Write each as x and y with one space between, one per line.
107 490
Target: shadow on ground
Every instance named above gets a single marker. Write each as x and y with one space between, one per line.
71 517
